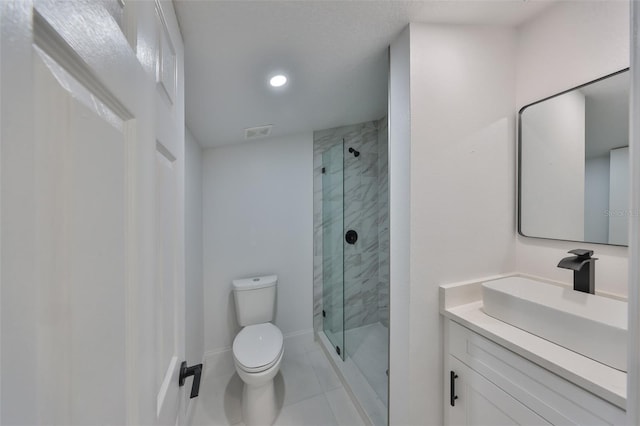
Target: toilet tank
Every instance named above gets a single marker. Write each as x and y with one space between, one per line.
255 299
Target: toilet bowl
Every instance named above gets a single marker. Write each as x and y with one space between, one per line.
257 354
258 348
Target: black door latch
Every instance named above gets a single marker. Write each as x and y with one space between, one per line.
196 372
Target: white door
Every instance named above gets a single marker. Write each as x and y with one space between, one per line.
92 272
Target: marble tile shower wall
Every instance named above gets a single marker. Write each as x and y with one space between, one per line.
365 211
361 215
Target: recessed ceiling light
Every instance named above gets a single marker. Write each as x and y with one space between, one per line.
278 80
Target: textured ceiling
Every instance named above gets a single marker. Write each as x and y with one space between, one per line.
334 52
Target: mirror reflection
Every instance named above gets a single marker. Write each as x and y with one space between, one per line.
574 164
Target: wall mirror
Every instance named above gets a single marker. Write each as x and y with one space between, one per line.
574 164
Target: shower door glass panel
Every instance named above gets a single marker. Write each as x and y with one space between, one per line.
332 246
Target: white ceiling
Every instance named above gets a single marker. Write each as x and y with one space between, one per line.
334 53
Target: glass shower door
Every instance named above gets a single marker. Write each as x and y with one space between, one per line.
332 246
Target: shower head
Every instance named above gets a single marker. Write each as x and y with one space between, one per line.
354 152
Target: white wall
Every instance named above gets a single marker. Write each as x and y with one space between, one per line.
553 168
460 184
571 43
596 199
258 219
465 85
399 228
194 291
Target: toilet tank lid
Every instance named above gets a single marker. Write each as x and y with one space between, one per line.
255 282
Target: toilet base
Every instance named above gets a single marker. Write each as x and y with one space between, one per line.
259 406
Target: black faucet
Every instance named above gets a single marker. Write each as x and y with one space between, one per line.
584 269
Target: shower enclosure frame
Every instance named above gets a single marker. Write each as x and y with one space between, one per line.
351 259
332 247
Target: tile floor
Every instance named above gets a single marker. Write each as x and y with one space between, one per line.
307 387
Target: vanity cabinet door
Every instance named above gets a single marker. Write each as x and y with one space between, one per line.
493 381
479 402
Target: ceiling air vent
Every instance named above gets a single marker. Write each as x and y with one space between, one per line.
257 132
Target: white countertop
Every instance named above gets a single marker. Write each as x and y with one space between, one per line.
462 303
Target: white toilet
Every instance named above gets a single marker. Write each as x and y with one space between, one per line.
258 348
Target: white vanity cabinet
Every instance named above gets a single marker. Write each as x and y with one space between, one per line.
495 386
480 402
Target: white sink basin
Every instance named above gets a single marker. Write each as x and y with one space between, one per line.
591 325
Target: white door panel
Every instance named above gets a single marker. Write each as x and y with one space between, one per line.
97 268
81 258
96 214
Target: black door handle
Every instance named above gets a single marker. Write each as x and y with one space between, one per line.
196 372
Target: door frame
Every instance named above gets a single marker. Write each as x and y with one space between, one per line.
633 351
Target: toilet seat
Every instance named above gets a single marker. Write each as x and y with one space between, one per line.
258 347
258 369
